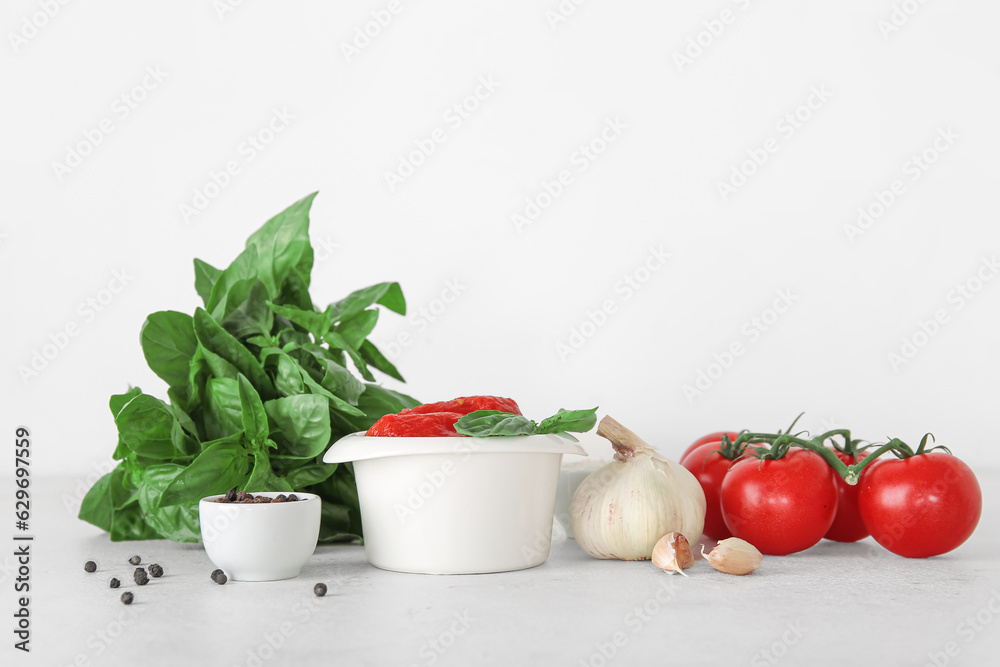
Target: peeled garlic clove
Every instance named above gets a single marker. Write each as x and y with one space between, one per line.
673 553
734 556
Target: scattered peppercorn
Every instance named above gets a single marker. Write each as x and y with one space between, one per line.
319 590
155 570
140 576
221 579
135 560
114 583
127 598
215 574
90 566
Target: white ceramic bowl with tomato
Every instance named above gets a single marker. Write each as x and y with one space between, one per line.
260 541
455 505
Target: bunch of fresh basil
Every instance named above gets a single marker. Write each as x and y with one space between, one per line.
259 387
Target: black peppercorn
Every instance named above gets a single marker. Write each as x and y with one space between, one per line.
215 574
114 583
140 576
221 579
155 570
90 566
319 590
135 560
127 598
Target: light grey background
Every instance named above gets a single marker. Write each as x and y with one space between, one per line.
884 96
841 99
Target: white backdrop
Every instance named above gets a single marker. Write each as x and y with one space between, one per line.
696 215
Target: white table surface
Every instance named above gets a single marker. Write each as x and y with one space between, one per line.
835 604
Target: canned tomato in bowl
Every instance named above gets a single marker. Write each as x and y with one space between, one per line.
447 505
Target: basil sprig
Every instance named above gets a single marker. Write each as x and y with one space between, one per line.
483 423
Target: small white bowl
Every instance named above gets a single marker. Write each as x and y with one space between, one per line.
262 542
450 505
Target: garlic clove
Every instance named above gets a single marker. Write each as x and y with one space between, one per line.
734 556
673 553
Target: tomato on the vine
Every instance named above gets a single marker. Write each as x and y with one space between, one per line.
711 437
922 505
848 526
709 466
780 505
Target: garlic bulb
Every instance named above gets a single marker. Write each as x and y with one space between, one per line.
623 509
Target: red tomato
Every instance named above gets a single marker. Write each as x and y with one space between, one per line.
711 437
780 506
920 506
710 467
847 525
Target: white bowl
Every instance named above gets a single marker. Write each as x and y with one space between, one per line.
262 542
453 505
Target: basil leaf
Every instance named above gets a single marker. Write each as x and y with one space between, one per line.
303 422
216 339
244 267
494 422
373 356
205 277
221 466
356 328
579 421
176 522
96 507
310 474
224 413
283 245
389 295
145 427
263 478
253 417
168 343
247 313
315 323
